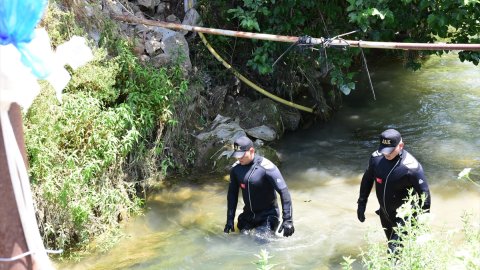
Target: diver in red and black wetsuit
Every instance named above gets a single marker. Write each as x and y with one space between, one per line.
260 181
394 171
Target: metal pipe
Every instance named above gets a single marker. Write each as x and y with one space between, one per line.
292 39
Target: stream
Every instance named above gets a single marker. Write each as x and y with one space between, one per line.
437 110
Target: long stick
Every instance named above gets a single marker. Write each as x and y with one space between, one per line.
292 39
12 235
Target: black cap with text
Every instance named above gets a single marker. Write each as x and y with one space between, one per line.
389 139
241 145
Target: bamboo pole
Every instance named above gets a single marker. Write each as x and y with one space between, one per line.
12 236
292 39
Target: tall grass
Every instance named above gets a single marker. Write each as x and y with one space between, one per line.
421 248
87 154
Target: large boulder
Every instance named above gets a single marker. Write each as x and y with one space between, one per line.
215 146
257 113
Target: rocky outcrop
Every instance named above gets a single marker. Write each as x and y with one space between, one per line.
156 45
215 146
263 120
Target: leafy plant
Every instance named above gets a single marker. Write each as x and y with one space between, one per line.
419 21
87 154
263 260
419 247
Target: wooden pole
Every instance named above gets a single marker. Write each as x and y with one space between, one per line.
292 39
12 238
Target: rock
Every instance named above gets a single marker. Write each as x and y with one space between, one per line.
139 48
260 112
262 132
214 147
166 33
94 34
223 131
114 7
160 60
88 11
172 18
159 17
144 58
161 8
149 4
191 18
139 14
151 46
176 47
141 29
290 117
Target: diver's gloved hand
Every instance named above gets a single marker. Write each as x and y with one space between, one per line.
229 226
287 228
361 211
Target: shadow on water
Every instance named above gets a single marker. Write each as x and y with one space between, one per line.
436 109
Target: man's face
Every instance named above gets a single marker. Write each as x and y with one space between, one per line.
248 157
395 152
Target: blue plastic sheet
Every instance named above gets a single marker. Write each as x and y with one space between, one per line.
18 19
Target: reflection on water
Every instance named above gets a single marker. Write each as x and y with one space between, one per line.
436 110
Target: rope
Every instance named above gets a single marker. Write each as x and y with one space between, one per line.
250 83
366 67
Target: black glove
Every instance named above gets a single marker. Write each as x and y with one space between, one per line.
361 211
229 227
287 228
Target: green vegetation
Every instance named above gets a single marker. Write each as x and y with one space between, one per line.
420 21
420 247
263 260
321 74
88 154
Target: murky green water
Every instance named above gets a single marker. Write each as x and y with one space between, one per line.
437 110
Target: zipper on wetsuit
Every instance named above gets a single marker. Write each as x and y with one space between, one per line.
248 186
385 187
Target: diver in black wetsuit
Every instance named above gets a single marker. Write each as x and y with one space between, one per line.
394 171
259 179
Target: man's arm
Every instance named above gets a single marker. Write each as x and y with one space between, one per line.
275 177
272 173
366 185
232 200
365 188
420 185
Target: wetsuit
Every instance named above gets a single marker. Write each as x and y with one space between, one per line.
259 182
392 180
